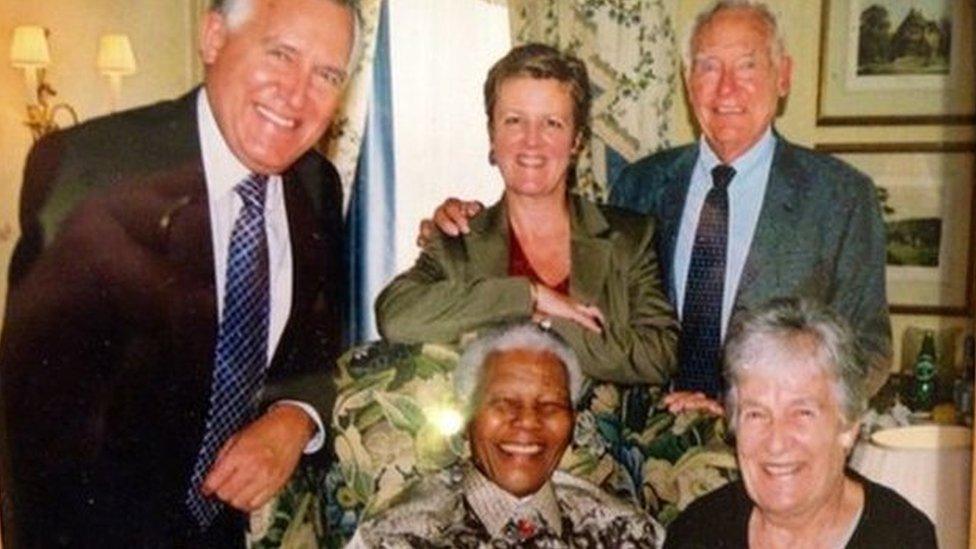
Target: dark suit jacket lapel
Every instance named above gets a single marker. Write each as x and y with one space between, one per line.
775 229
671 206
305 241
590 250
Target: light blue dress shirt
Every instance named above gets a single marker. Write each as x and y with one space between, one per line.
746 192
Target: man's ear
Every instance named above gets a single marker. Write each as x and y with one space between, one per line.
784 78
213 36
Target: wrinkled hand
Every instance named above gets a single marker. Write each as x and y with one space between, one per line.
688 401
451 217
257 460
552 303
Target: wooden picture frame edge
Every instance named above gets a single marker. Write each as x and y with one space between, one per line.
967 309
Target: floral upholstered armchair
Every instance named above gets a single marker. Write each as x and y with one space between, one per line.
394 421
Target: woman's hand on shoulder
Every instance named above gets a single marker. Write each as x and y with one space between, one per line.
550 303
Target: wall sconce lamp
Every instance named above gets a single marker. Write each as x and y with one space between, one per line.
29 51
115 60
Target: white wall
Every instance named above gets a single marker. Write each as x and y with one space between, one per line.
440 53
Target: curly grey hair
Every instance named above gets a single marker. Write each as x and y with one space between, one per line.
777 46
783 319
470 372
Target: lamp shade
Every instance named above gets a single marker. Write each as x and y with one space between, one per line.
929 465
29 47
115 55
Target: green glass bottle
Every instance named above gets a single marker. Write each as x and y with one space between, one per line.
923 391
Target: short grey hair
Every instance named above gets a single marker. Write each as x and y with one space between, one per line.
777 46
782 320
470 372
236 12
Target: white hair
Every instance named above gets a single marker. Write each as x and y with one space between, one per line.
470 372
780 322
777 46
236 13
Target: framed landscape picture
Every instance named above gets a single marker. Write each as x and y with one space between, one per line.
896 62
926 193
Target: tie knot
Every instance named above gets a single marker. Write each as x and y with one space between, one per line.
252 190
722 175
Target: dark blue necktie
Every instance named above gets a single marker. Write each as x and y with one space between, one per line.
242 341
699 349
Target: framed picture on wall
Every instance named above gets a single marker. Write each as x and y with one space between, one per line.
928 202
896 62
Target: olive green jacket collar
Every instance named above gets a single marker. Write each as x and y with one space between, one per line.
590 246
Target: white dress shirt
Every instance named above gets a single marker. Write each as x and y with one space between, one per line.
223 172
746 193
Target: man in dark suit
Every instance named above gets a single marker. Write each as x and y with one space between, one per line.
173 306
795 222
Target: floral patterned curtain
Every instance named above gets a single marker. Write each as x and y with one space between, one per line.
629 49
342 143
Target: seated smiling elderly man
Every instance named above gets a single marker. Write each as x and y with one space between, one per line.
796 390
519 386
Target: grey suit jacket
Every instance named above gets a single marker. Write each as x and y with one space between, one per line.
459 285
820 235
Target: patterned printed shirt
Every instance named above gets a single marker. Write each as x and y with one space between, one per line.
461 508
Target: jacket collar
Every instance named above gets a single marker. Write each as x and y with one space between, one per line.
488 245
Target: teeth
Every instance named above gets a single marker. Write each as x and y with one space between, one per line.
531 161
275 118
729 110
522 449
775 469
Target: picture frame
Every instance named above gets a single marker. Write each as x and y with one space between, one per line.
929 203
896 62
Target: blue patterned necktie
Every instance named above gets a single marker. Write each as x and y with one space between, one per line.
700 345
242 341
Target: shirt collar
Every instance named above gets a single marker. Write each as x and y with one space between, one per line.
221 166
494 506
746 161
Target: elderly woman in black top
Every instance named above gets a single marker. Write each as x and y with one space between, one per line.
796 391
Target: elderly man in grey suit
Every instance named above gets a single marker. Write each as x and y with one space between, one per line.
744 215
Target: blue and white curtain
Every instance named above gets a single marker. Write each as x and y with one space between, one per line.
370 222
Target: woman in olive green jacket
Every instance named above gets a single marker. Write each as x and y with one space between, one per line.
589 271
